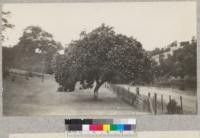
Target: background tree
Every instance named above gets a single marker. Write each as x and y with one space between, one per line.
5 23
7 53
181 66
182 63
34 38
186 60
102 55
155 51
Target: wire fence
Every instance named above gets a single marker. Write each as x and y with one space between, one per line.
141 103
154 103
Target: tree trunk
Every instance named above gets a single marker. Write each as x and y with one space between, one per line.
98 85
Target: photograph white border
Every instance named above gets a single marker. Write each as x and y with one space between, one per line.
52 124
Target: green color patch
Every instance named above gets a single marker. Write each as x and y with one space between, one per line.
113 127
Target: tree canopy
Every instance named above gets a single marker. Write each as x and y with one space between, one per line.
182 63
7 53
186 60
34 38
178 69
102 55
5 22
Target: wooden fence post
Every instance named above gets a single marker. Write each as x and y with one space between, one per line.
170 98
128 88
133 99
196 107
149 98
123 93
137 91
162 102
155 102
181 103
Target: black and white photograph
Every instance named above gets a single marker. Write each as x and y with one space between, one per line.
123 58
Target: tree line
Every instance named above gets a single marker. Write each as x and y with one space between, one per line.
181 65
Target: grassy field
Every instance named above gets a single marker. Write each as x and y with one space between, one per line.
33 98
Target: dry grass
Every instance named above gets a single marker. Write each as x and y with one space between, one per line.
32 97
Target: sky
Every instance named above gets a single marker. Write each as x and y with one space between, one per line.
154 24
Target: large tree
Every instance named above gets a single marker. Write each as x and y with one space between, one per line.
102 55
35 38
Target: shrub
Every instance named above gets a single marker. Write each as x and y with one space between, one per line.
60 89
29 74
173 108
5 73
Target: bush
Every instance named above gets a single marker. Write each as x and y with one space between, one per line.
173 108
60 89
29 74
5 73
66 88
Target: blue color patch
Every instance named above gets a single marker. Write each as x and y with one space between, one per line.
120 127
127 127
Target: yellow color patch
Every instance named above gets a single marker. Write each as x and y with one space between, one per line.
106 127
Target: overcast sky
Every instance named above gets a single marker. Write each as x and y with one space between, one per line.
154 24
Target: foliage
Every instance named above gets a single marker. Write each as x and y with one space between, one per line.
5 22
182 63
186 60
102 55
6 52
159 51
173 108
59 65
35 38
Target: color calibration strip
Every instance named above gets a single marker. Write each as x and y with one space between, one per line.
96 127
